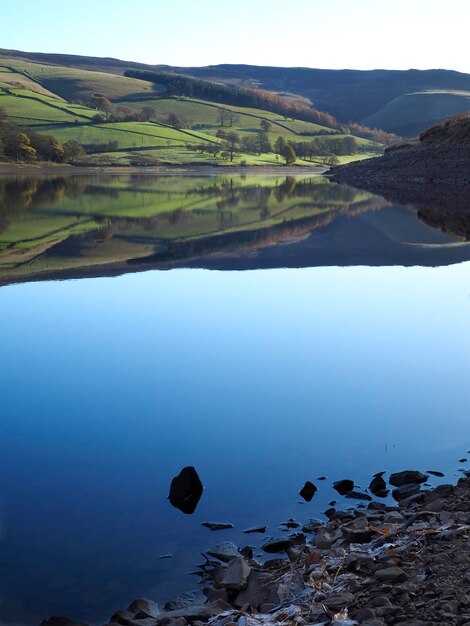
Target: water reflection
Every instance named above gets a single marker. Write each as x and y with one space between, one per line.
106 225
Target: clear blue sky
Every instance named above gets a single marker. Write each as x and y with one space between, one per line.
360 34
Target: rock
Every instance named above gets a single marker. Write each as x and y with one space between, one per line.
434 473
463 460
291 523
236 574
436 506
184 599
323 539
225 551
165 556
274 546
144 608
391 575
321 478
405 491
174 621
308 491
194 612
343 486
186 490
338 600
215 594
393 517
260 591
358 495
378 487
121 617
357 536
256 529
247 551
217 525
407 477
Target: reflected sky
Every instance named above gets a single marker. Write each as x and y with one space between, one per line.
261 380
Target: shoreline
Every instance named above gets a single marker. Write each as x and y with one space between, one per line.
209 170
375 564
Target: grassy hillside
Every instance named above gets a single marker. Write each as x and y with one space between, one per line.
408 114
350 95
59 101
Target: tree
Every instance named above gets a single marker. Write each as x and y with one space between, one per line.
47 147
174 121
74 152
289 154
221 133
101 103
230 144
18 146
265 125
125 114
280 145
226 116
264 143
147 114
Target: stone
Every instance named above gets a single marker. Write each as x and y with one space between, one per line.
274 546
322 539
186 490
122 617
259 591
343 486
407 477
391 575
357 495
256 529
215 594
217 525
405 491
236 574
378 487
225 551
308 491
434 473
338 600
144 608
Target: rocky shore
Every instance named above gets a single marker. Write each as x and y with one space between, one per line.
376 564
441 155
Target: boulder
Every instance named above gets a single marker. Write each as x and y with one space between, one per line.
225 551
308 491
343 486
378 487
405 491
217 525
236 574
391 575
274 546
144 608
407 477
186 490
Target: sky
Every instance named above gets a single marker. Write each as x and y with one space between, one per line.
356 34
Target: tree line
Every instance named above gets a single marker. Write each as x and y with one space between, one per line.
25 146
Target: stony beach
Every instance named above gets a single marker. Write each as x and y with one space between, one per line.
376 564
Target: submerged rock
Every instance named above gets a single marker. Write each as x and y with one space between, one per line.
435 473
186 490
358 495
308 491
343 486
255 529
217 525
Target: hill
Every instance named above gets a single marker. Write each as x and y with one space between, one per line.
123 120
403 102
441 155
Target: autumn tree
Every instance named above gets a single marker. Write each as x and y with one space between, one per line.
74 152
101 103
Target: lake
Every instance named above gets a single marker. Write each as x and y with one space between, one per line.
266 330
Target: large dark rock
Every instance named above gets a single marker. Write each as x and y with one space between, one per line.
236 574
274 546
378 487
407 477
405 491
343 486
186 490
144 608
308 491
225 551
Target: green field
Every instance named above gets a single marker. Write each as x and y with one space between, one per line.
39 96
71 222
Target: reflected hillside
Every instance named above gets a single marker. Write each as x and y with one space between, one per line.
107 225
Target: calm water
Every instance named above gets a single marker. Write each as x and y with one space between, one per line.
261 379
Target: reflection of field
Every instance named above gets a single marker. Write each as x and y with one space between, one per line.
57 223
